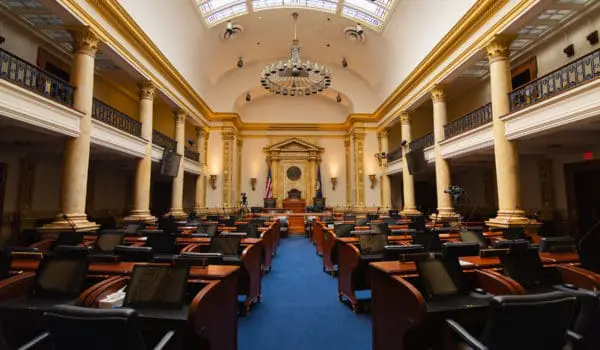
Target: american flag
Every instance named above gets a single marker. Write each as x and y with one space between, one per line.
269 185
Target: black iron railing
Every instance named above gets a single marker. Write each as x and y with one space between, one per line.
28 76
394 155
191 154
112 117
422 142
573 74
468 122
163 140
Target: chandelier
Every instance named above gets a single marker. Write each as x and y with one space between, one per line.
295 77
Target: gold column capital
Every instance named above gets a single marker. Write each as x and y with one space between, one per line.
147 90
438 93
200 132
347 141
499 47
404 118
383 134
85 40
179 115
240 142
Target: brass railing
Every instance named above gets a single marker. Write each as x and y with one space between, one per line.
470 121
191 154
112 117
395 154
422 142
30 77
585 69
163 140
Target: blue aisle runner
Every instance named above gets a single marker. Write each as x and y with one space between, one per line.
300 309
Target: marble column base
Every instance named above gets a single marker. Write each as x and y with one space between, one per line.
140 216
177 213
512 218
78 222
410 212
445 214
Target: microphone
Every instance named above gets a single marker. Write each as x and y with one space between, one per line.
67 219
534 217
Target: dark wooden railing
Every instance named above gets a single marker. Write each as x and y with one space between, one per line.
112 117
191 154
395 155
470 121
30 77
422 142
585 69
163 140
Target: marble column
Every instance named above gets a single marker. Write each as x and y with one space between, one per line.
238 183
228 136
77 150
359 168
506 154
408 183
200 198
177 194
442 166
386 188
143 172
311 191
348 175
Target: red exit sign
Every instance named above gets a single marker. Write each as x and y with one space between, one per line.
588 155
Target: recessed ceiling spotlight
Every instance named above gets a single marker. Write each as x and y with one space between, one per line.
338 98
328 44
240 62
344 62
248 97
258 43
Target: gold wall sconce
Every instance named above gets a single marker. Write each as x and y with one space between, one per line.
253 183
213 181
333 183
373 179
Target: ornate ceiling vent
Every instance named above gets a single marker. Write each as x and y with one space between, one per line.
355 33
232 30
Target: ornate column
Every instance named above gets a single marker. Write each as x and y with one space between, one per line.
348 177
312 178
408 183
386 188
505 152
275 176
238 184
442 166
143 171
200 198
177 194
359 168
228 136
77 150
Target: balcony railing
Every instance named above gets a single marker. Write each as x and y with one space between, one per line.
163 140
191 154
585 69
112 117
28 76
395 155
468 122
422 142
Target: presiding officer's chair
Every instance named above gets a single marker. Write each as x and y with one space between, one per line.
532 322
74 328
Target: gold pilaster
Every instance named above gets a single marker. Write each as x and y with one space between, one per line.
359 167
200 198
238 184
228 136
385 188
348 177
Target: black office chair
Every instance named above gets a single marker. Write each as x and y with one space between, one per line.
393 252
472 236
532 322
69 238
428 239
198 259
349 217
381 227
418 223
74 328
162 244
139 254
458 249
557 244
587 316
107 240
209 229
227 222
390 221
5 261
511 244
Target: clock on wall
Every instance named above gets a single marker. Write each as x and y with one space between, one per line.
294 173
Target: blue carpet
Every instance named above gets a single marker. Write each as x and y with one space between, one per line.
300 309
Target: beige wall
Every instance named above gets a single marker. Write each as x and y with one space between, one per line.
163 118
214 167
307 109
470 100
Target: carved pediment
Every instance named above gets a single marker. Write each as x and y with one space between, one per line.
293 145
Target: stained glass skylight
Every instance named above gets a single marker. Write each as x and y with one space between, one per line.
372 14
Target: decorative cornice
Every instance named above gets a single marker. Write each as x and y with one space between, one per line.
85 40
499 47
438 94
147 90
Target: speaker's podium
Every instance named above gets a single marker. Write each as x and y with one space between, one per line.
295 203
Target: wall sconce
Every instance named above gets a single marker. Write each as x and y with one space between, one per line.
380 157
213 181
253 183
333 183
373 179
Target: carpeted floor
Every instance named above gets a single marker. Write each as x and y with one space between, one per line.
300 309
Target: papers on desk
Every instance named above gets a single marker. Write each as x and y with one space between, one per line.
114 300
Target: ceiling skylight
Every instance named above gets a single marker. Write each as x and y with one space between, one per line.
372 14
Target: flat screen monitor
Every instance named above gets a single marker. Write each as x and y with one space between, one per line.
441 277
343 230
226 244
58 277
372 243
108 240
415 160
170 163
428 239
156 287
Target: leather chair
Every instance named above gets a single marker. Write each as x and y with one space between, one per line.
587 316
557 244
458 249
393 252
428 239
163 245
532 322
73 327
136 254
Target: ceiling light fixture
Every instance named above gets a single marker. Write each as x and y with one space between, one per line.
294 77
338 98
